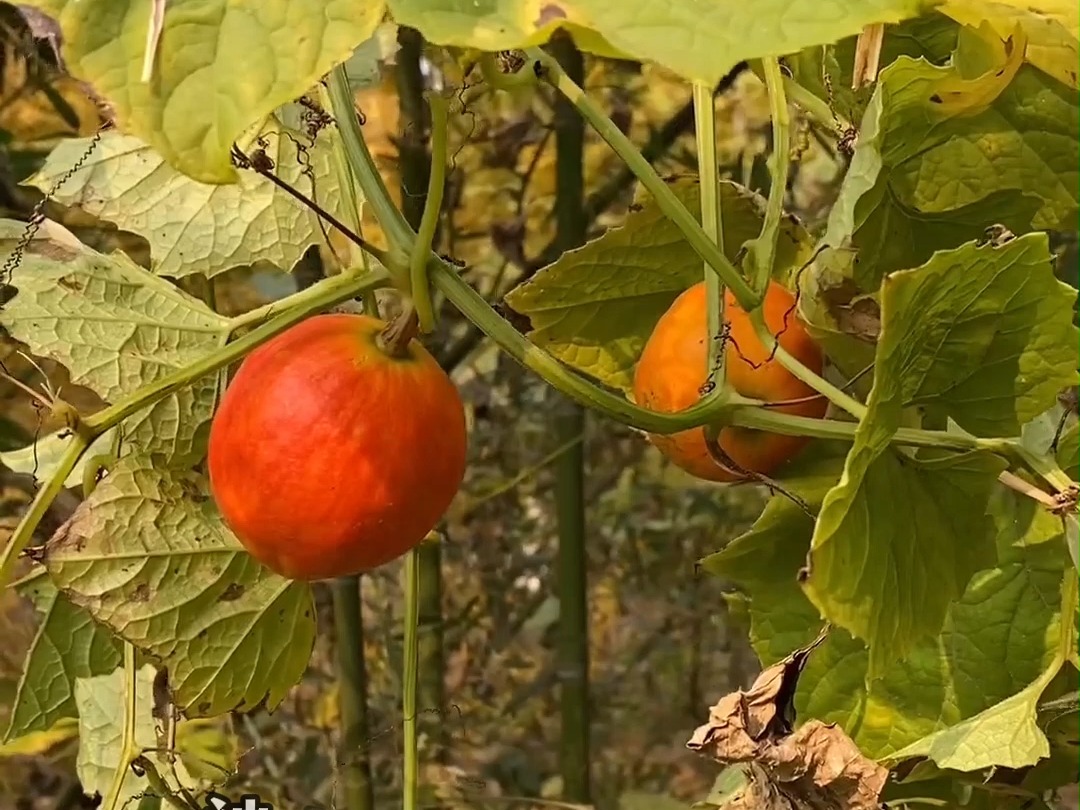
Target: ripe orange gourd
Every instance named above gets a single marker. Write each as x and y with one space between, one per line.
672 369
328 456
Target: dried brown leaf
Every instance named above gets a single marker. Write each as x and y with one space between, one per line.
816 767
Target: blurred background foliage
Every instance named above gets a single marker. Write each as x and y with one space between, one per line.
665 643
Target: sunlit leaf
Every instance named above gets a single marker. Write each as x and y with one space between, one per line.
698 40
195 227
219 67
1052 28
997 638
103 702
889 581
116 327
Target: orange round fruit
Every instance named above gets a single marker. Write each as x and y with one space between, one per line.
673 368
328 456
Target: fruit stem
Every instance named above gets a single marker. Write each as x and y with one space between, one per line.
419 285
409 679
551 72
394 339
837 397
713 225
763 250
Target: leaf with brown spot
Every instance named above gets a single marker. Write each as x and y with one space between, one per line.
160 569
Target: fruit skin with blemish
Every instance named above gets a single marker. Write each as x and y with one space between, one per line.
672 369
328 456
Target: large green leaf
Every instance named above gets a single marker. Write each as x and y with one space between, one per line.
1006 734
195 227
698 39
944 152
998 637
103 703
220 66
981 334
889 580
116 327
68 645
148 556
595 307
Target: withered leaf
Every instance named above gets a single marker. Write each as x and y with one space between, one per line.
815 767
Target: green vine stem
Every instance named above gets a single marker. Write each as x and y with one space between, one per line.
810 103
712 223
764 251
294 308
418 281
355 765
836 396
351 200
127 735
665 198
388 215
23 533
410 676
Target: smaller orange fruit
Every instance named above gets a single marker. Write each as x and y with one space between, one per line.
672 370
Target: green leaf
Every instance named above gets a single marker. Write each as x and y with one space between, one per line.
68 645
219 68
1051 26
148 556
890 580
696 40
116 327
1005 735
998 637
102 703
945 151
195 227
595 307
981 334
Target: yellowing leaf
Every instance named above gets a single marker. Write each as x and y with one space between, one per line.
204 228
36 743
220 67
698 39
116 327
1052 27
103 703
